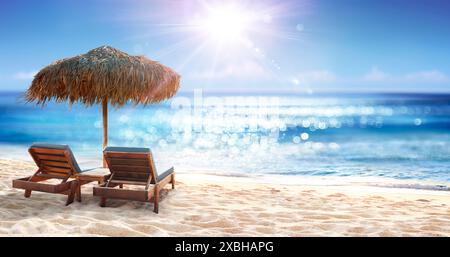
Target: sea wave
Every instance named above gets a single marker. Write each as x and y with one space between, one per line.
393 136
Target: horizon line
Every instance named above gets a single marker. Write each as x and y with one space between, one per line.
285 91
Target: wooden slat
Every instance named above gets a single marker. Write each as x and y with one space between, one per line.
51 157
131 178
132 162
126 155
56 164
56 169
131 169
130 173
90 178
126 194
51 175
48 151
33 179
123 181
36 186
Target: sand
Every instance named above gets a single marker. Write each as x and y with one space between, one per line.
209 205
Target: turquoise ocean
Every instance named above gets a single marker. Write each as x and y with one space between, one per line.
401 136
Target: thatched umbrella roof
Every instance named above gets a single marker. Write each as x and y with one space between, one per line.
104 75
104 72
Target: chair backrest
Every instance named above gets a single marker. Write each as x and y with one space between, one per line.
55 160
131 164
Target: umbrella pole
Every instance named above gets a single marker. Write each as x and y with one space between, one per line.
105 127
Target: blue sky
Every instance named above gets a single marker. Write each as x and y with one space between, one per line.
311 46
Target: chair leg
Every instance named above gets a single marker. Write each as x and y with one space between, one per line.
79 193
173 181
156 199
27 193
72 192
102 201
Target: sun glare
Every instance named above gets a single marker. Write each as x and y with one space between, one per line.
226 24
231 36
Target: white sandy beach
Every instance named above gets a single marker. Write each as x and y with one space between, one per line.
208 205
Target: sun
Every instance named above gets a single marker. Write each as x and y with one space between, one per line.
225 24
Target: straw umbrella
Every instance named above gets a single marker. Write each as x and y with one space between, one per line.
101 76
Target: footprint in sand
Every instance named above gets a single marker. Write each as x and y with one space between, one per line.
325 227
232 231
265 230
149 230
295 228
193 218
220 223
336 195
14 206
357 230
72 222
430 228
7 224
109 230
343 216
183 205
364 214
386 233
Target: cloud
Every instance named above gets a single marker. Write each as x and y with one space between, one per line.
315 76
433 76
244 70
376 75
21 75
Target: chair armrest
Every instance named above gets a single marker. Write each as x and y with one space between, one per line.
89 169
165 174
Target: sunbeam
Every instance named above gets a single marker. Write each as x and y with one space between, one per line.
216 35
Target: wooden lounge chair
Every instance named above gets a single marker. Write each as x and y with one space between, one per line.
53 162
133 166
